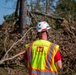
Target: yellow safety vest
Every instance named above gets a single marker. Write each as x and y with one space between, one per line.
41 58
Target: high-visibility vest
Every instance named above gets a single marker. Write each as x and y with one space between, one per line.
41 58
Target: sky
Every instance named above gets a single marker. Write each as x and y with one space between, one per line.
6 8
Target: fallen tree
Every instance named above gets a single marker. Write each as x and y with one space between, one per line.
5 55
66 26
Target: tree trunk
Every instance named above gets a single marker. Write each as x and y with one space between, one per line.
22 16
31 5
17 7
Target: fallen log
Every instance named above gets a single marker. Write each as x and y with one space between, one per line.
49 16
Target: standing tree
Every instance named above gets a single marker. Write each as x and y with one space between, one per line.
17 8
44 6
22 16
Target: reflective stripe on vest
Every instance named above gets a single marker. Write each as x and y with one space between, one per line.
35 67
41 73
49 56
29 53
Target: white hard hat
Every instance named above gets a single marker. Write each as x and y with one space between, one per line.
42 26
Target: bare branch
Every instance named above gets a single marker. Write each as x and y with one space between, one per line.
50 16
4 58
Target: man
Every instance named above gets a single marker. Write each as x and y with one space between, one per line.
43 57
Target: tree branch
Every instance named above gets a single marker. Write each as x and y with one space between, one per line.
4 58
49 16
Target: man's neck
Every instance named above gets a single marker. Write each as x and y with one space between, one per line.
43 36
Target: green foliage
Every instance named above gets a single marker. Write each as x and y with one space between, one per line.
67 8
7 17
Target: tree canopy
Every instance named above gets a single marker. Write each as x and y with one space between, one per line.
67 8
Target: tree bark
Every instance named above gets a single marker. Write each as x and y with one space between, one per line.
22 16
17 7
